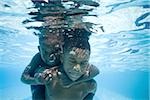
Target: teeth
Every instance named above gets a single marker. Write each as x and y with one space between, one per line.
52 55
52 58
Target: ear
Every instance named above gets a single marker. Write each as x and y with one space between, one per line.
61 57
39 48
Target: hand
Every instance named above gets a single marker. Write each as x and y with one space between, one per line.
80 53
47 75
42 78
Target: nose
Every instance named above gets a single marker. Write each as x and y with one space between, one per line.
58 48
77 67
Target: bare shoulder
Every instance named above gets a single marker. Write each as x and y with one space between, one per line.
93 70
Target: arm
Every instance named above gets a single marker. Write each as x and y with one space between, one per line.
28 79
90 74
28 74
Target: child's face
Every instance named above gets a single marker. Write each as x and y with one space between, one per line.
76 62
50 52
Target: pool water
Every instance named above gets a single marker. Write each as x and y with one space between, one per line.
121 51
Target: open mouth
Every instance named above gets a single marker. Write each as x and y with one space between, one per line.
74 75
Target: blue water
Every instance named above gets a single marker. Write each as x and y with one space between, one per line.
121 52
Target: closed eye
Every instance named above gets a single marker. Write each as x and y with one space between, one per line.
72 61
84 62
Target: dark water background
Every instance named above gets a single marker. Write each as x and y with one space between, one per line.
121 52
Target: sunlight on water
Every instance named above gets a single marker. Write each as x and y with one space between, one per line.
120 50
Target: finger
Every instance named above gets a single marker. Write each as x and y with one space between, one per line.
56 70
76 50
49 71
44 75
86 52
82 53
59 73
54 74
45 71
37 75
47 78
50 75
79 51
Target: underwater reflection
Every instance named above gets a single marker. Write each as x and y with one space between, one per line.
61 69
121 51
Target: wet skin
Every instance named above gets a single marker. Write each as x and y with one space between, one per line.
58 84
75 92
38 91
51 49
81 73
53 79
63 82
49 56
46 49
75 62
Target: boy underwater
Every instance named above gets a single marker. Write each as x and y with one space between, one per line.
61 64
46 69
